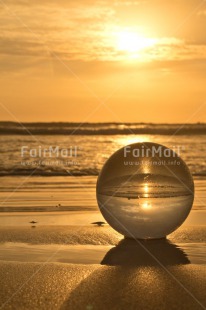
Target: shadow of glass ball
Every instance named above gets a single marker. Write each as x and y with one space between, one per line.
130 252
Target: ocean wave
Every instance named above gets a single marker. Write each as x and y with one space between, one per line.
44 209
81 172
11 128
41 172
92 153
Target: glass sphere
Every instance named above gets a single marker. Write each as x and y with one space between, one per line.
145 191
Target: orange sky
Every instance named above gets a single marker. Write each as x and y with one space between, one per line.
122 61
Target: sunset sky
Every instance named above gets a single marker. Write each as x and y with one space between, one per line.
84 60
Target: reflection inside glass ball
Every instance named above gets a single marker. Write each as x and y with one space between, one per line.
145 190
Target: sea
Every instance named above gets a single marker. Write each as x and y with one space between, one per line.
54 166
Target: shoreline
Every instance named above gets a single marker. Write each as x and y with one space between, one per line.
74 218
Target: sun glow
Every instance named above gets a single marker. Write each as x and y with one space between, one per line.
133 42
122 141
146 188
146 206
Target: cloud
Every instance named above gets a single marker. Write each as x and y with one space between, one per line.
201 13
128 3
33 32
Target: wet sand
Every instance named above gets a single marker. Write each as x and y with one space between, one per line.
87 235
63 286
157 275
64 262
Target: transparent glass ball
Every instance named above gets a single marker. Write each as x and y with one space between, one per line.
145 191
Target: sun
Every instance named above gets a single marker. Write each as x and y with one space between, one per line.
133 42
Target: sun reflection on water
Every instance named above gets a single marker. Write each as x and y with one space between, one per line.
146 206
126 140
146 188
